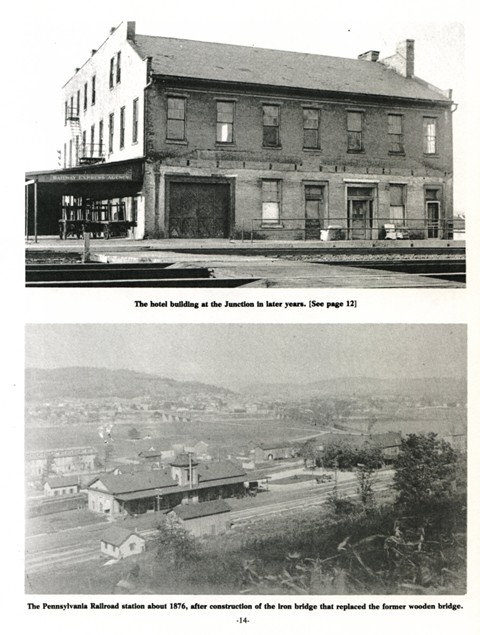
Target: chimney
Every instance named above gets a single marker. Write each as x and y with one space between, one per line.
93 52
406 50
403 62
130 30
112 29
77 69
369 56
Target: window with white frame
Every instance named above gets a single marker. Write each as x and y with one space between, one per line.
135 121
111 124
112 72
100 137
271 201
119 67
122 127
430 135
92 139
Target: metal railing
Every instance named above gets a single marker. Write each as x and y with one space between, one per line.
343 229
91 152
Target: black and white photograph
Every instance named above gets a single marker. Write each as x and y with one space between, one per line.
241 352
171 153
298 459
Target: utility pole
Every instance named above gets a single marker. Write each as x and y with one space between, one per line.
335 487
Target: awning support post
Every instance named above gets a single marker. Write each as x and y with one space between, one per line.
86 246
35 209
26 210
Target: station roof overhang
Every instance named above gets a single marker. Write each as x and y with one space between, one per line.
99 181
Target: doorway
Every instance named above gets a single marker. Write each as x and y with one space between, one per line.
314 211
360 213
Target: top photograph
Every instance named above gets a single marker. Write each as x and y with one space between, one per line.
189 163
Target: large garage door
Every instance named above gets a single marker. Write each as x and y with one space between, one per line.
199 210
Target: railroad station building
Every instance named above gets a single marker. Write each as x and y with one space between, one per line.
170 138
185 481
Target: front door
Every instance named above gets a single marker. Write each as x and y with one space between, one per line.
360 219
433 219
314 211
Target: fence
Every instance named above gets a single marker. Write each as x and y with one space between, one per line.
342 229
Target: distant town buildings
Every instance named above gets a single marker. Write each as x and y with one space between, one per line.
77 460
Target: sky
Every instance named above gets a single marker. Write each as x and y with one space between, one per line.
233 355
58 37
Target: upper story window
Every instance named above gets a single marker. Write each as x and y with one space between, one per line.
176 118
395 134
111 124
122 127
66 112
119 67
271 126
135 121
94 95
85 96
100 137
78 103
354 131
92 140
311 128
112 72
225 121
430 135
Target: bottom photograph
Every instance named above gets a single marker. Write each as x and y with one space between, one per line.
273 459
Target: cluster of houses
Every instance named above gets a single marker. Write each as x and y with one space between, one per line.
388 443
60 461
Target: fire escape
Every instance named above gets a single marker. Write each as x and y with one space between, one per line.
85 153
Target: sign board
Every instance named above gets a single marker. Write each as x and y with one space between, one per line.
88 178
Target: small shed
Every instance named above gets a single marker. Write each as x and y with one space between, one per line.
121 542
61 486
203 519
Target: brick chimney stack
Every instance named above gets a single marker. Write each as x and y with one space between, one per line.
130 30
403 62
369 56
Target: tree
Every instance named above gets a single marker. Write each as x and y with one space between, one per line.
424 472
133 433
366 473
175 543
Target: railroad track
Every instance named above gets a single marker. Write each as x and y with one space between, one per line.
124 275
